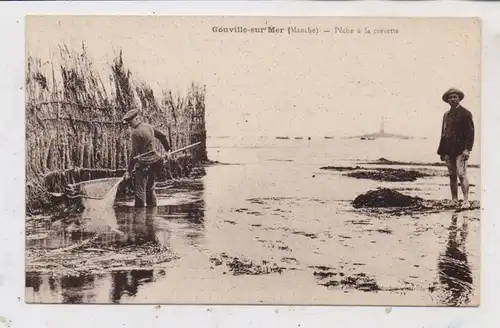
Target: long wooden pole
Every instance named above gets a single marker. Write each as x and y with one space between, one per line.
173 152
187 147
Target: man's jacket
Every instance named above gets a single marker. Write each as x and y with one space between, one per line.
457 132
142 142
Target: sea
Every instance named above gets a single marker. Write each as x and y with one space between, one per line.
322 151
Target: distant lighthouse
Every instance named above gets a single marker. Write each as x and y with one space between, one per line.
381 133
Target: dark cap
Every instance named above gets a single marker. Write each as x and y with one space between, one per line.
130 115
453 91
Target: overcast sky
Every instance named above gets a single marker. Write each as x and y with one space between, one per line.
268 84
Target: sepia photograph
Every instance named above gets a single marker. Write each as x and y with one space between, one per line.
253 160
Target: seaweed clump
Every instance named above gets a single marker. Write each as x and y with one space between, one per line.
385 197
389 175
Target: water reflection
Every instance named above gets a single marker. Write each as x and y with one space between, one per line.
128 282
63 233
66 289
84 288
77 289
119 227
187 221
137 227
120 230
34 281
455 273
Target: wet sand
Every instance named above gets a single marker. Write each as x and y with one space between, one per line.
277 233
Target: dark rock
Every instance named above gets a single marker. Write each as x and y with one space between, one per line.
384 197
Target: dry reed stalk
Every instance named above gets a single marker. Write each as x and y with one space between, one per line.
32 152
79 95
88 159
123 154
85 148
39 148
98 151
81 150
91 151
57 128
126 151
118 162
46 159
64 160
105 149
77 146
116 153
113 149
68 153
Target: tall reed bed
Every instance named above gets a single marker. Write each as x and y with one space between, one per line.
73 120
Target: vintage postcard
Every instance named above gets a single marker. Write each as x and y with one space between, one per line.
253 160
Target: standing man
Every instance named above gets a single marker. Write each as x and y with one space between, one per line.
457 139
144 162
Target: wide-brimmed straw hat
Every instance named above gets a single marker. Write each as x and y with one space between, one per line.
453 91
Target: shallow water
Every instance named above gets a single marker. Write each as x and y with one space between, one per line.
272 229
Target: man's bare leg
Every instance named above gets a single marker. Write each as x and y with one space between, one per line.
464 182
454 189
452 172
